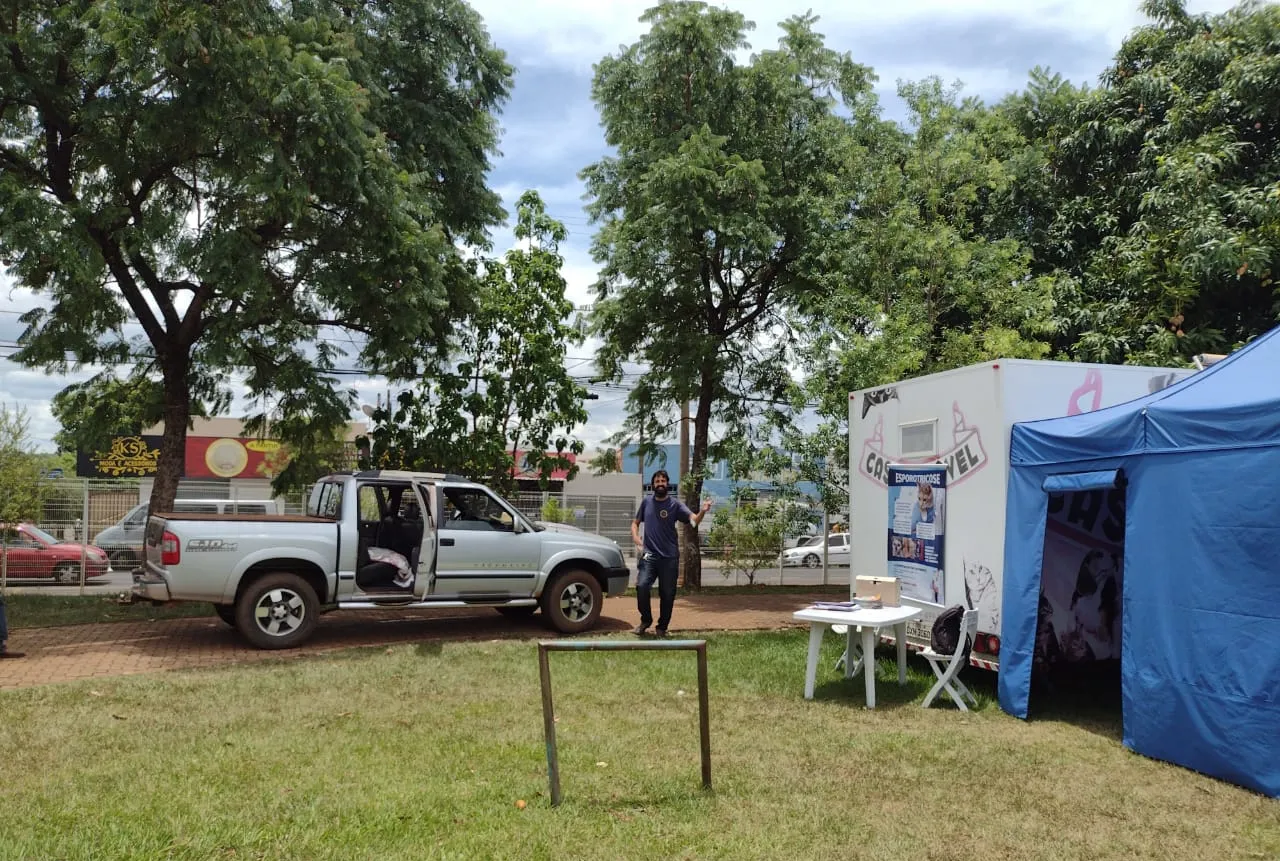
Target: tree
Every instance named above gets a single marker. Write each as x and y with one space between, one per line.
20 491
932 279
247 182
750 534
730 184
504 393
605 461
1160 189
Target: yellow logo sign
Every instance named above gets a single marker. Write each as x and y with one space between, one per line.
129 455
226 457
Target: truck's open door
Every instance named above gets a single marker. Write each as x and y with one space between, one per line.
424 582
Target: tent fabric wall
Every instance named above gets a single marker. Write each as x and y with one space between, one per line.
1200 661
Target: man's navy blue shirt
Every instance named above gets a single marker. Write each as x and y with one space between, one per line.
659 518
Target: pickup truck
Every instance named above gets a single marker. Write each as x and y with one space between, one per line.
378 540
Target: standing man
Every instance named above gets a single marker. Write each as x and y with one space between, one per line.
660 550
4 635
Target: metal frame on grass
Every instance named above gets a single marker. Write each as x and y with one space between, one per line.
548 711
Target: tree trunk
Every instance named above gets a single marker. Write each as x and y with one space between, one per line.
690 545
173 445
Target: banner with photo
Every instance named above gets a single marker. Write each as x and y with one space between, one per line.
1082 578
917 517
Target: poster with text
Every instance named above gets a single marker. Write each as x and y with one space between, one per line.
917 515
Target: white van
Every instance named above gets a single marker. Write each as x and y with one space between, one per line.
123 541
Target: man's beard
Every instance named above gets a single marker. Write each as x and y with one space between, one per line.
660 493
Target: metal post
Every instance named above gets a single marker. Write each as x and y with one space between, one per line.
549 725
548 710
599 520
826 525
704 715
84 539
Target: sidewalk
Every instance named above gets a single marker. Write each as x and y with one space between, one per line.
127 648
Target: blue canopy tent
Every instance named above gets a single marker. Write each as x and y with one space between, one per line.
1199 629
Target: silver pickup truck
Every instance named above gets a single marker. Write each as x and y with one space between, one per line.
378 540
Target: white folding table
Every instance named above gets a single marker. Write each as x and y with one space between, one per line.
866 621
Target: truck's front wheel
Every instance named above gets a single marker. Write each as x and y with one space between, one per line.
278 611
572 602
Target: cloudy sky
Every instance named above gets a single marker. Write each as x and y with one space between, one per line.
552 131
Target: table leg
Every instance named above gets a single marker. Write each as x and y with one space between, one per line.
811 668
850 645
869 663
900 637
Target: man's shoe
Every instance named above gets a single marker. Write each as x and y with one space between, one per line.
8 654
660 632
640 630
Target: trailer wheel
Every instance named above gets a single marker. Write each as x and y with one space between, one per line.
572 602
278 611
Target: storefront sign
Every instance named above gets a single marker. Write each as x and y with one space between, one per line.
126 457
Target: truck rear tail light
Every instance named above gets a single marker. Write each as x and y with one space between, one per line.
987 644
170 550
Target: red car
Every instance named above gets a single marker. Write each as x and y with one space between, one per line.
31 553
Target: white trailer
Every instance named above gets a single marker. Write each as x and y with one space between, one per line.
962 418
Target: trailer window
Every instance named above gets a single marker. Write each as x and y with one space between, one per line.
917 438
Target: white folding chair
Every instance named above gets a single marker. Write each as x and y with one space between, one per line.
947 667
843 631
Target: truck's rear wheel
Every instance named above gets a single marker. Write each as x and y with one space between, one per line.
226 612
572 602
278 611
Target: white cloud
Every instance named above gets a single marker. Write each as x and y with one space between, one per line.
574 34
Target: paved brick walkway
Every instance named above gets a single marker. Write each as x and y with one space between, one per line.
125 648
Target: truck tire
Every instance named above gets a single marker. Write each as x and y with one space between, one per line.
278 611
226 612
572 602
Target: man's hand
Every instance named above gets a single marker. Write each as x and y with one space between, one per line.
706 506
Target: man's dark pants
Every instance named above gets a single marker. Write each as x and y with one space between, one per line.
666 570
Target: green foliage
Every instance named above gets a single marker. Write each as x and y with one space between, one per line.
605 461
723 206
20 490
1159 192
246 181
505 390
553 512
749 536
933 289
727 181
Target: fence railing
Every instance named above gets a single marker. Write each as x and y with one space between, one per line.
97 511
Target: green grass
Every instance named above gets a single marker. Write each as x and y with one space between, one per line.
424 751
25 610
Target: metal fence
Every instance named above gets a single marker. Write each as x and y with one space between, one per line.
98 511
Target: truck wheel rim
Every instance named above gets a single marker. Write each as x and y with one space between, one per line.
576 602
280 612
